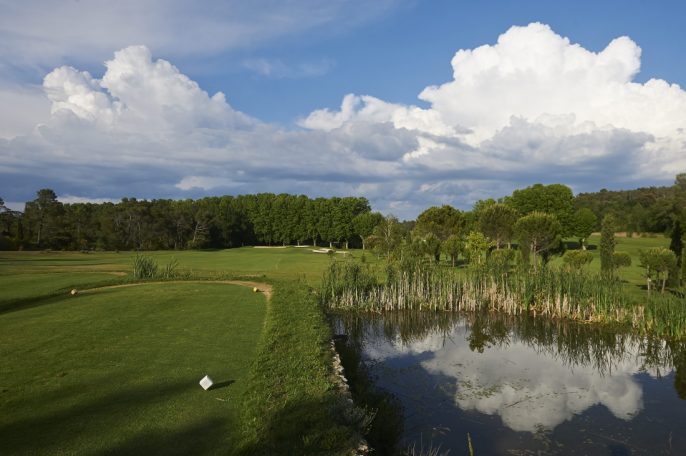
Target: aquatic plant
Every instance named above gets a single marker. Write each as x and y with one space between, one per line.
413 285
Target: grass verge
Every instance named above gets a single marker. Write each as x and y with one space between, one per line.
293 405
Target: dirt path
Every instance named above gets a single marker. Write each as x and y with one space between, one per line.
264 288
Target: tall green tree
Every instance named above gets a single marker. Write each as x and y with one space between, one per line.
538 233
440 221
452 247
43 214
554 199
476 247
496 222
344 212
387 236
584 222
364 224
607 244
431 246
10 227
676 243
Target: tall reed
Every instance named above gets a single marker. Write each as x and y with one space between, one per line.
144 267
556 293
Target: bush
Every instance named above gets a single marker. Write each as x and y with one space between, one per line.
577 259
621 260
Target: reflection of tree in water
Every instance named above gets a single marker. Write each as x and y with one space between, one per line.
485 334
602 347
680 368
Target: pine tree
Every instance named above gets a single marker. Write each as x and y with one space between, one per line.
607 244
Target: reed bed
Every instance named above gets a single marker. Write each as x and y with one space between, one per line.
548 292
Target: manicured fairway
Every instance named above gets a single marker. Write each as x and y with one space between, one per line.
26 277
290 262
116 370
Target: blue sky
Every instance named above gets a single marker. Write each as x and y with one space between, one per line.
150 125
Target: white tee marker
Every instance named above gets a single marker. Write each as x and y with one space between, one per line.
206 382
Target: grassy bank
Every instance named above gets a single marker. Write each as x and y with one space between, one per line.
293 405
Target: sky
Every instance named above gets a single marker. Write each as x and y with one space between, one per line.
408 103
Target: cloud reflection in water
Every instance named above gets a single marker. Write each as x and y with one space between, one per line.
527 387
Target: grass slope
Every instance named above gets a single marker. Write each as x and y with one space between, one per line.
292 406
116 370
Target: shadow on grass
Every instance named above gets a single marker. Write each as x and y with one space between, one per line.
28 303
220 385
13 305
202 438
296 429
121 422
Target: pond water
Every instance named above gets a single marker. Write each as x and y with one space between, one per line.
523 386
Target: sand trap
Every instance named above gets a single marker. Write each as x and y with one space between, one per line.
270 247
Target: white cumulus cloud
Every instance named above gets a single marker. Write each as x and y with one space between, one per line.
532 107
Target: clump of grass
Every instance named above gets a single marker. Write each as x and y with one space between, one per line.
169 271
144 267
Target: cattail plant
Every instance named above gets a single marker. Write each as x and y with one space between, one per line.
497 286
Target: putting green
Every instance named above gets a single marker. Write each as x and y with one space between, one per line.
116 370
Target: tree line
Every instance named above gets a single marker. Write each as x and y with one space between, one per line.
160 224
537 217
642 210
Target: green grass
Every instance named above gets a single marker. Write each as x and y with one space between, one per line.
116 370
287 263
26 277
292 406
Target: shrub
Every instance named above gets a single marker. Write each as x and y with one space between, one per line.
577 259
658 262
621 260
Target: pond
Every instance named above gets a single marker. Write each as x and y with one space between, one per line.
521 385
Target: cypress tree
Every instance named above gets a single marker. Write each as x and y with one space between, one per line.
607 244
677 244
683 268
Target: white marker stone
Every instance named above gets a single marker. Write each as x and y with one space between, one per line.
74 292
206 382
